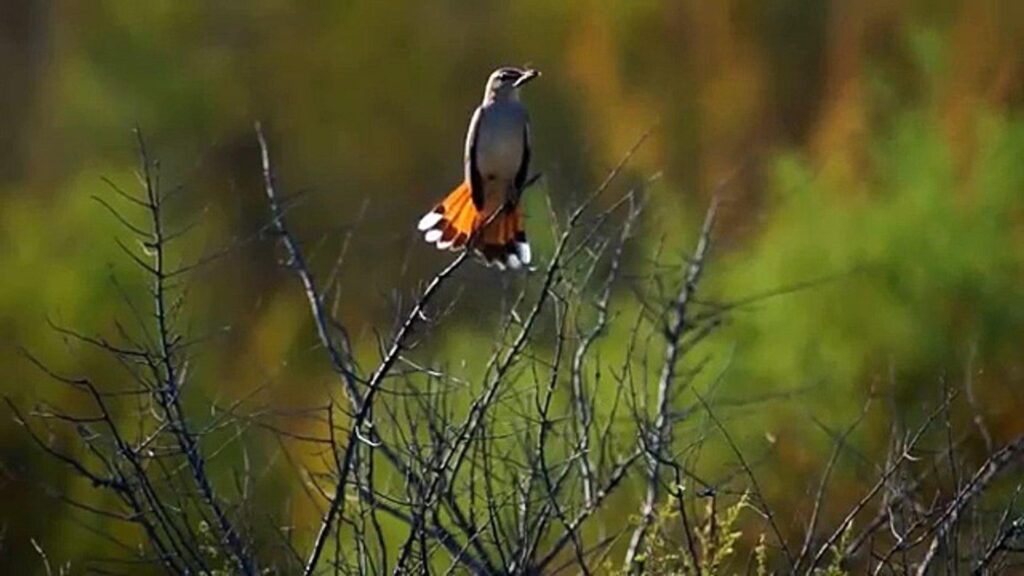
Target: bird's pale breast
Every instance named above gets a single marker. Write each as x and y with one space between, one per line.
499 146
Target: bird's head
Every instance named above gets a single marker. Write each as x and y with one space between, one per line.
504 83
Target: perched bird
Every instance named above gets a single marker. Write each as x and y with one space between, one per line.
497 162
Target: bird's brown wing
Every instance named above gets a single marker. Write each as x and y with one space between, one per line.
473 176
524 165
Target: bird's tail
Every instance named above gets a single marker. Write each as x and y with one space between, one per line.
456 222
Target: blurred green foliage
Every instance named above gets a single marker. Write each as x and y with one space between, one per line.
878 147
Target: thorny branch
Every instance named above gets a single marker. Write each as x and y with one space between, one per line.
504 462
150 470
654 441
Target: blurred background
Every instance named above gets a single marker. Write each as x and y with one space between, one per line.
879 147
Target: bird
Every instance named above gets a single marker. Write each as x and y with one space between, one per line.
483 213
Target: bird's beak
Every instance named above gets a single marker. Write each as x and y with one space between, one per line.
526 77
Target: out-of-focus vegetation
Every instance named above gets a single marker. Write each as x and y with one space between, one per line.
878 149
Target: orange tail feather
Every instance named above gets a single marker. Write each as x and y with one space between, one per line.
455 222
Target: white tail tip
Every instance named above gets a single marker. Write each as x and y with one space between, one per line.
523 248
432 236
429 220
